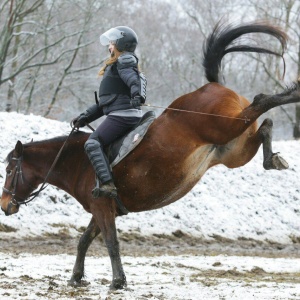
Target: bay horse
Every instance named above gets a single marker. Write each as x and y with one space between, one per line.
177 150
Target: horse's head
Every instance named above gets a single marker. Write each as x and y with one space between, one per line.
16 188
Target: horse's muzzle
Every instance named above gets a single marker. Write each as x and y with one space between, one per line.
6 213
11 209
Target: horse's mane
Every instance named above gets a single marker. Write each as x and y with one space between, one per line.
55 140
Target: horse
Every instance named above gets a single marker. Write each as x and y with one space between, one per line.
206 127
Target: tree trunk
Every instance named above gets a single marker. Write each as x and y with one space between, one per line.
297 124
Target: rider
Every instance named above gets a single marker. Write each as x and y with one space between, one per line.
122 92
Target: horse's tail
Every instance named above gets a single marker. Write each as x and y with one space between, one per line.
218 42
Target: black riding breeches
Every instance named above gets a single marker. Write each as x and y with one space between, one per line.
112 128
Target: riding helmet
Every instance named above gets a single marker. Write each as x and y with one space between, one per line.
123 37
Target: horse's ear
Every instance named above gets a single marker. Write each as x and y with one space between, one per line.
19 149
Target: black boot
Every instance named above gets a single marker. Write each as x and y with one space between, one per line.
101 166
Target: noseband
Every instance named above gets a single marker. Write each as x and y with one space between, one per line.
18 175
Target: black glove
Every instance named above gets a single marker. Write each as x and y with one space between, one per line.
137 101
80 121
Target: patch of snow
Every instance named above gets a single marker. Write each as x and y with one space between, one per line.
247 202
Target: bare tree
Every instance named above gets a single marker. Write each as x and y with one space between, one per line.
50 52
13 14
284 13
31 43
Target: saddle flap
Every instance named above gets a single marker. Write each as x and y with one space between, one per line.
123 146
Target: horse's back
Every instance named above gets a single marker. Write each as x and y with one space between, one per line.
219 98
212 114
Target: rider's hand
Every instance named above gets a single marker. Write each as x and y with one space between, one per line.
137 101
80 121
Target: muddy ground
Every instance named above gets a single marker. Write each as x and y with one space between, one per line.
167 264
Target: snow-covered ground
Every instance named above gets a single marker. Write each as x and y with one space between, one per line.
248 202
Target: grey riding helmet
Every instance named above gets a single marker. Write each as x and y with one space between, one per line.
123 37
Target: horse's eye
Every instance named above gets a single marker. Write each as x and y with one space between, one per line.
8 172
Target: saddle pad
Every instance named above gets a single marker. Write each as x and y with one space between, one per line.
132 139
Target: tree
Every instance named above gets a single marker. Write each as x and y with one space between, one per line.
32 43
13 14
50 52
284 13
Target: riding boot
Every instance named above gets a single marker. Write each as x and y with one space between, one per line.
101 166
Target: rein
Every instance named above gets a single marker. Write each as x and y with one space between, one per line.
18 173
43 186
246 120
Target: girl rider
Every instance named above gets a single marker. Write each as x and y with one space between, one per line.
122 92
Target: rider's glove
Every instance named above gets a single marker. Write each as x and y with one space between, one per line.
80 121
137 101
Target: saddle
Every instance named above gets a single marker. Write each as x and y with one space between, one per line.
120 148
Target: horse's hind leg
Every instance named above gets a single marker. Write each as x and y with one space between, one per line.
85 241
241 150
271 160
262 103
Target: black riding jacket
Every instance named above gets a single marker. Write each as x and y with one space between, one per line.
120 83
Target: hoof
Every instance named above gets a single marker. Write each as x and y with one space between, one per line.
276 162
118 284
81 283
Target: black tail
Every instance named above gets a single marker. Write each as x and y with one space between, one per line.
218 42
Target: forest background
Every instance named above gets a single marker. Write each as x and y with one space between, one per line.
50 52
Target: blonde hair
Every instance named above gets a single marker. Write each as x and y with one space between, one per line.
111 60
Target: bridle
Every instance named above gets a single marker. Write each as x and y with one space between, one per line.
18 175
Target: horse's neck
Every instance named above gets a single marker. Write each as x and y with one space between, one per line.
60 164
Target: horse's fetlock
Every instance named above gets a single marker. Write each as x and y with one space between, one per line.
77 276
265 129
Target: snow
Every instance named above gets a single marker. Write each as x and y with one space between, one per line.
163 277
248 202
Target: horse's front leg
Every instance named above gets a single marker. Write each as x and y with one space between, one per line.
104 212
85 241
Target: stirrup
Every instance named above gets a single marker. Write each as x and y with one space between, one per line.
106 190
